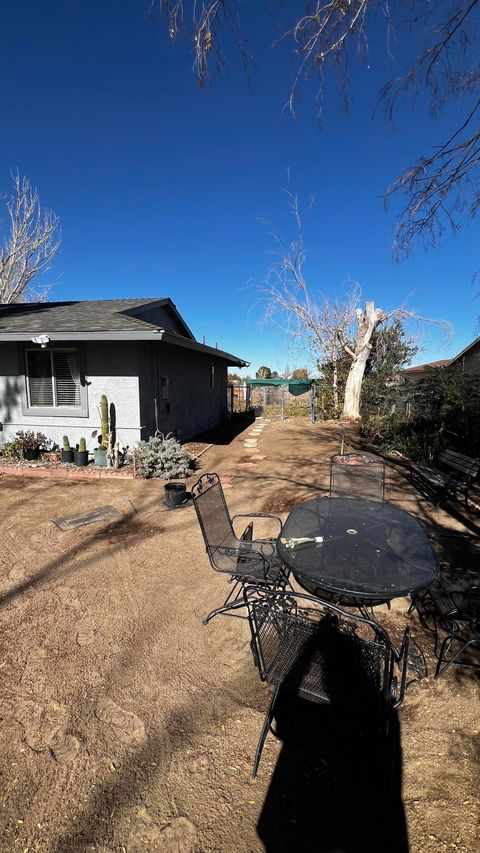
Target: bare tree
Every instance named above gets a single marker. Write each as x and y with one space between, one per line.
30 244
441 189
325 328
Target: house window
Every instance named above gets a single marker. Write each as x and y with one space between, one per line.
53 378
164 389
212 376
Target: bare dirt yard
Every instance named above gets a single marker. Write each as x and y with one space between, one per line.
126 725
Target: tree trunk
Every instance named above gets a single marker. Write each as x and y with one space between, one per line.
335 383
368 321
353 387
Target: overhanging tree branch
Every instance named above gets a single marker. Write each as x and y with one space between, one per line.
441 189
29 247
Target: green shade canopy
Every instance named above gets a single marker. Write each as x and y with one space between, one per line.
295 386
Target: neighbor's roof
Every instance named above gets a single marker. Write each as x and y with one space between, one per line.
103 319
419 368
467 349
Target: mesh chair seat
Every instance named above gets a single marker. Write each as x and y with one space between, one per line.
255 569
284 639
244 557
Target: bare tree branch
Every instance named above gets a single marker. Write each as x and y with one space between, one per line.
30 245
442 188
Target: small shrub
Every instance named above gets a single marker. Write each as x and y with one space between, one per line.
10 450
164 457
29 440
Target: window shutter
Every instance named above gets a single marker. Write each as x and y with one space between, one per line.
67 377
39 367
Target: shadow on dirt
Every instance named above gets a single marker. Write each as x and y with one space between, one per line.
337 782
128 527
225 433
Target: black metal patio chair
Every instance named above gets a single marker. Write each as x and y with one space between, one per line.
243 558
461 643
357 475
324 654
438 604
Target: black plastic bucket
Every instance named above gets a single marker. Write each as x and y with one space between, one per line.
175 494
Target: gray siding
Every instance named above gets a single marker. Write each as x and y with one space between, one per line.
192 406
130 375
110 369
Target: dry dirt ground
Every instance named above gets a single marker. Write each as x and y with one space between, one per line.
126 725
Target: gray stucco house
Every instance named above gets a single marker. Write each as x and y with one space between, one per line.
58 358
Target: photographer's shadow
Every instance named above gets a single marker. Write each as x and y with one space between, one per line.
336 787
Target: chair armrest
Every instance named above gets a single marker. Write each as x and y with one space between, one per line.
258 515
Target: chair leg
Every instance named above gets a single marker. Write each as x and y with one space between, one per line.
226 608
453 661
264 732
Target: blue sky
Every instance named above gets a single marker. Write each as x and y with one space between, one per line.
161 188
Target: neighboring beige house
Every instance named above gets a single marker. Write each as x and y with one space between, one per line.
468 359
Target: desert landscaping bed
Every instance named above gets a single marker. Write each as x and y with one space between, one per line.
128 726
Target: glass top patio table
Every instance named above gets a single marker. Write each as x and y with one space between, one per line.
370 551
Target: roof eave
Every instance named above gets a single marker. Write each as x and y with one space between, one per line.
178 340
155 335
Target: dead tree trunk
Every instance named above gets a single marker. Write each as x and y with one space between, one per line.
368 321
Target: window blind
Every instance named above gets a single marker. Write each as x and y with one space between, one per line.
40 378
67 377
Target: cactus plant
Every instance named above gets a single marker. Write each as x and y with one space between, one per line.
82 446
104 419
66 443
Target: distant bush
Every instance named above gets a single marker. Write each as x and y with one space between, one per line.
419 438
164 457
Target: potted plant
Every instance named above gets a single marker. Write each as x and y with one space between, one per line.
67 452
29 443
100 452
80 455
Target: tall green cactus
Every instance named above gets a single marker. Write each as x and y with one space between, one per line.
82 445
66 443
104 417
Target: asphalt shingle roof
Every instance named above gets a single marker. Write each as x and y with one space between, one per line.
103 315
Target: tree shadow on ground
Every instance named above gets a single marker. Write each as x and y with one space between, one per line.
113 535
